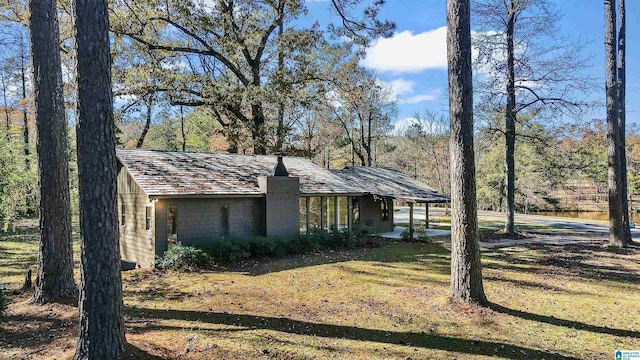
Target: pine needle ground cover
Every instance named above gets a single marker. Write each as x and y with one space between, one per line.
390 302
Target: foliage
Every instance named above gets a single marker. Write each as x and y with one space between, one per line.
189 258
419 234
235 250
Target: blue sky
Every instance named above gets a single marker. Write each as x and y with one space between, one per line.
413 61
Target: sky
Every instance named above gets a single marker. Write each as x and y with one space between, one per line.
413 60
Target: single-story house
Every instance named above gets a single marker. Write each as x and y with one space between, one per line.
198 198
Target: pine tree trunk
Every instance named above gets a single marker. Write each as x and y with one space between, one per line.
622 118
466 273
101 331
616 227
147 123
510 127
54 282
25 119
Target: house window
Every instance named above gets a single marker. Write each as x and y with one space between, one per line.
356 211
224 221
123 214
148 218
172 224
384 209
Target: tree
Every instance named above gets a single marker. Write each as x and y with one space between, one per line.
466 272
622 118
55 256
617 232
101 334
525 66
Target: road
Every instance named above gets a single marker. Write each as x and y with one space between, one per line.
594 228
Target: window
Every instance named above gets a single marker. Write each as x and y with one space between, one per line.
384 209
148 217
356 211
123 214
172 224
224 221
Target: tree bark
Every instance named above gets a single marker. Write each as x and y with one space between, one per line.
54 282
466 272
6 107
25 119
616 226
147 124
101 331
510 126
622 118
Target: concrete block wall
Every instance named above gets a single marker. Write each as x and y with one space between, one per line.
282 205
199 220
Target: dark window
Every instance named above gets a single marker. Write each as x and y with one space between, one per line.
123 214
172 224
384 208
148 217
224 221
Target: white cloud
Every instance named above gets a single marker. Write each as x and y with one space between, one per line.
401 86
431 96
400 126
406 52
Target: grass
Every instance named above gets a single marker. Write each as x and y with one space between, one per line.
390 302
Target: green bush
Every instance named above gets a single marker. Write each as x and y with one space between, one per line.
419 234
179 257
233 251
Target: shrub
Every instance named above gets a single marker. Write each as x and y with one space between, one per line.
179 257
419 234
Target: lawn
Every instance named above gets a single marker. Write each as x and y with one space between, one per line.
389 302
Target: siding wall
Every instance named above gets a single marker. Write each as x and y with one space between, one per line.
198 220
136 242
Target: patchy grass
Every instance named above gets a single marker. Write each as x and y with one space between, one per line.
390 302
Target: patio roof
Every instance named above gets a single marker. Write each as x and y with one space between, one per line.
384 181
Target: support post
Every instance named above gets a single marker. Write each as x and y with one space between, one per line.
350 213
426 215
411 220
322 213
336 218
307 203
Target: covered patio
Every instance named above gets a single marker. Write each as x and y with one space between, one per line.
391 183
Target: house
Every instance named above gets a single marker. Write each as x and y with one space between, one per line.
198 198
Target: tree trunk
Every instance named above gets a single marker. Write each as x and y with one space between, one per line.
280 131
182 132
510 127
616 226
622 118
466 272
25 119
6 107
259 131
101 331
147 124
54 282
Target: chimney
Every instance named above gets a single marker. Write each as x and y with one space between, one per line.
280 169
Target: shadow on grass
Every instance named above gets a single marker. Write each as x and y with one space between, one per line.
386 251
133 352
564 323
20 331
423 340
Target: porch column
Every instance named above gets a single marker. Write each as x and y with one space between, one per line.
336 218
322 213
426 215
307 203
411 220
349 213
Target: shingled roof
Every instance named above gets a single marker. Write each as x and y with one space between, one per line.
173 174
384 181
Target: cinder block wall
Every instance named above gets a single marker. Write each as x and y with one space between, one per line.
199 220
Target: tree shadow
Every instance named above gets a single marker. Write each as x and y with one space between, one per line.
562 322
423 340
385 252
133 352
